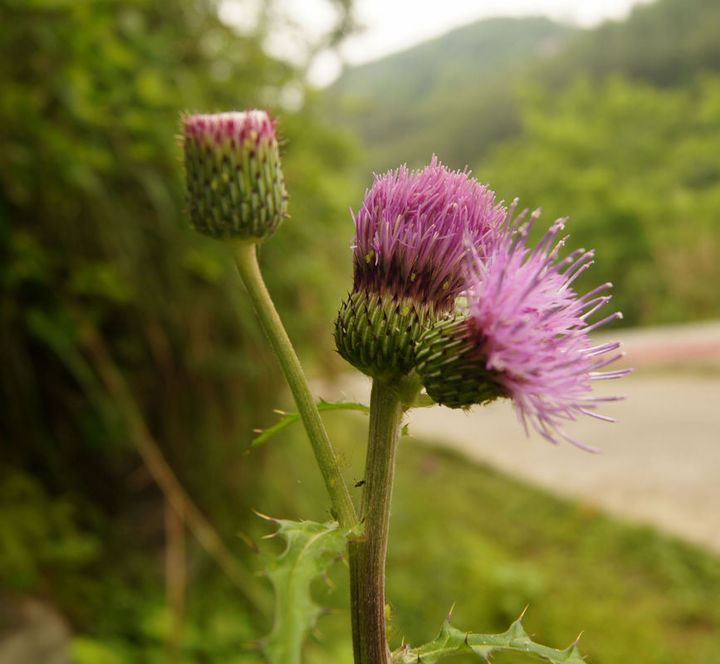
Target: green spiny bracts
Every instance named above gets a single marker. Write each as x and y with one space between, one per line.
449 367
379 334
235 183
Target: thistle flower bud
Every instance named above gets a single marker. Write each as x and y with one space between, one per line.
409 265
235 183
524 335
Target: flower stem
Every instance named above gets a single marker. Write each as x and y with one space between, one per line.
367 553
245 254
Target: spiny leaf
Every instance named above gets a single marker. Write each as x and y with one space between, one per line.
451 641
311 549
290 418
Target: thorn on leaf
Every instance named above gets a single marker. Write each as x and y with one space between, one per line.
450 612
265 516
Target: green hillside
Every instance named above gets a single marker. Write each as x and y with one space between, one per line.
665 43
463 57
451 91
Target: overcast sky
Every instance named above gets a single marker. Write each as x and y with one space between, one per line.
395 25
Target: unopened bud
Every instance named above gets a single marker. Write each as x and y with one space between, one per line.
235 183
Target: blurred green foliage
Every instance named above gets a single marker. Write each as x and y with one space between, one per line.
38 534
665 42
94 249
638 170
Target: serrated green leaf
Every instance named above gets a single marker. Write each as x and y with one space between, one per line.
311 549
291 418
451 641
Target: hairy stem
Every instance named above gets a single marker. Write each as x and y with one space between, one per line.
246 260
367 553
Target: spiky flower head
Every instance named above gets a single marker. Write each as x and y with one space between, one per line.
411 231
409 261
524 335
235 183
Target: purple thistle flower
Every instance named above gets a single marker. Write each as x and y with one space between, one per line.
524 335
411 230
235 182
410 262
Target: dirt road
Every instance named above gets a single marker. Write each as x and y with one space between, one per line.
660 463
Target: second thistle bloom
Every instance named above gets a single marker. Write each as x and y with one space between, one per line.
523 335
235 183
409 261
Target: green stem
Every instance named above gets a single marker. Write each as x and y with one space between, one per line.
367 554
246 260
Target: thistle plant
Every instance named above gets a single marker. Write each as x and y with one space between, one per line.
236 191
446 296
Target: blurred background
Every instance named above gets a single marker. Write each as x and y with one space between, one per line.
133 373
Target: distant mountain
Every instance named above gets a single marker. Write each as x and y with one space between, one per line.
466 56
451 91
665 43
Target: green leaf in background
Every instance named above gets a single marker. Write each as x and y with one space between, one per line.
311 548
452 641
291 418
